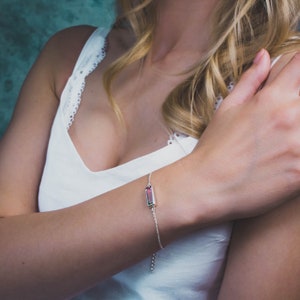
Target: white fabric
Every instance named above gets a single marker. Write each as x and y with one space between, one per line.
190 268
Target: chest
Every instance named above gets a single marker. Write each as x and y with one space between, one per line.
104 141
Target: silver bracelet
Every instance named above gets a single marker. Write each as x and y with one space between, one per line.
151 203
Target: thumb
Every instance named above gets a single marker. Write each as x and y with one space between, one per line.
250 81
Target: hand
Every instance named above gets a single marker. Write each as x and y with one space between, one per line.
250 152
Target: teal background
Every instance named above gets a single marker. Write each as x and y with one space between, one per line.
25 26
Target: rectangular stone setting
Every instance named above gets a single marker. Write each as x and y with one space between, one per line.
150 198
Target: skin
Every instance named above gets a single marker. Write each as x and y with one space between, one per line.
263 259
44 256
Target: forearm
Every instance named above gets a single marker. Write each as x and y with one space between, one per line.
55 254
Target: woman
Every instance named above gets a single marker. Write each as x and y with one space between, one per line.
108 145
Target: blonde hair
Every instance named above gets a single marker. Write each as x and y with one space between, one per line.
240 31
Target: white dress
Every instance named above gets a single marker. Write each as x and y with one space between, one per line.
190 268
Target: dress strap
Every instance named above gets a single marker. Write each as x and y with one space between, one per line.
92 52
91 55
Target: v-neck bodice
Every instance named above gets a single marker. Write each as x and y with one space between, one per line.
190 268
63 159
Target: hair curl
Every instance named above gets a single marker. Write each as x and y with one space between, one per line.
240 31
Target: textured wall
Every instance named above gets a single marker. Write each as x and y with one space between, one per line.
25 25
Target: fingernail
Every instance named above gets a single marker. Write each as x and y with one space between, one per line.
259 56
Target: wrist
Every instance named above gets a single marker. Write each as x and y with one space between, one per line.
186 199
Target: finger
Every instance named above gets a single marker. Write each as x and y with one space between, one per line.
250 81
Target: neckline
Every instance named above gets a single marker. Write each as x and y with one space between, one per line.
179 144
77 73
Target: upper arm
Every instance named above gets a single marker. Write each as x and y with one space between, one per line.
264 257
23 146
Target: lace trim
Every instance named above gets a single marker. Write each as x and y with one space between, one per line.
220 99
230 86
74 90
177 137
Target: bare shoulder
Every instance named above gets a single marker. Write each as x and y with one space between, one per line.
69 42
24 145
62 50
64 47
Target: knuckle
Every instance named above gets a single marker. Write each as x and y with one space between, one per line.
285 118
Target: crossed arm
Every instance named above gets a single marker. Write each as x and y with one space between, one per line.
264 255
56 254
